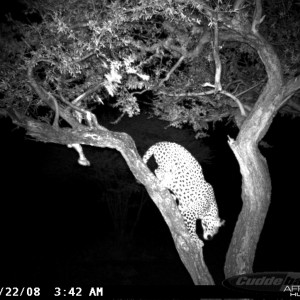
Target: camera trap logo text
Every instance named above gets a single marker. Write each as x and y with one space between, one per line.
280 282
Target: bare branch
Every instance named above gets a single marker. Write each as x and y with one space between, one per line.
292 86
211 92
171 71
118 119
70 104
286 99
238 81
89 116
46 96
257 17
140 92
236 100
294 105
238 4
85 57
190 94
251 88
55 121
218 65
87 93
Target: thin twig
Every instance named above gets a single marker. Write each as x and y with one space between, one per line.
172 70
218 86
249 89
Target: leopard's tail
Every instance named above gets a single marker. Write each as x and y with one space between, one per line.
149 153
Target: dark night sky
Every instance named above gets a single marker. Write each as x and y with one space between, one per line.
10 6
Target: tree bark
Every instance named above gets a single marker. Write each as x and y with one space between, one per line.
256 195
256 183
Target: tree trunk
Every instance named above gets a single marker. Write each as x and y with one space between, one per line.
256 183
256 195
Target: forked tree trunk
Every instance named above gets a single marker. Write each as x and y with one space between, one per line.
256 183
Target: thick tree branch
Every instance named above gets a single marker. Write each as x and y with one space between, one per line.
188 250
256 184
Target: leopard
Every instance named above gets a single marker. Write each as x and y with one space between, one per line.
180 172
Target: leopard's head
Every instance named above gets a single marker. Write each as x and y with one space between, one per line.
211 226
